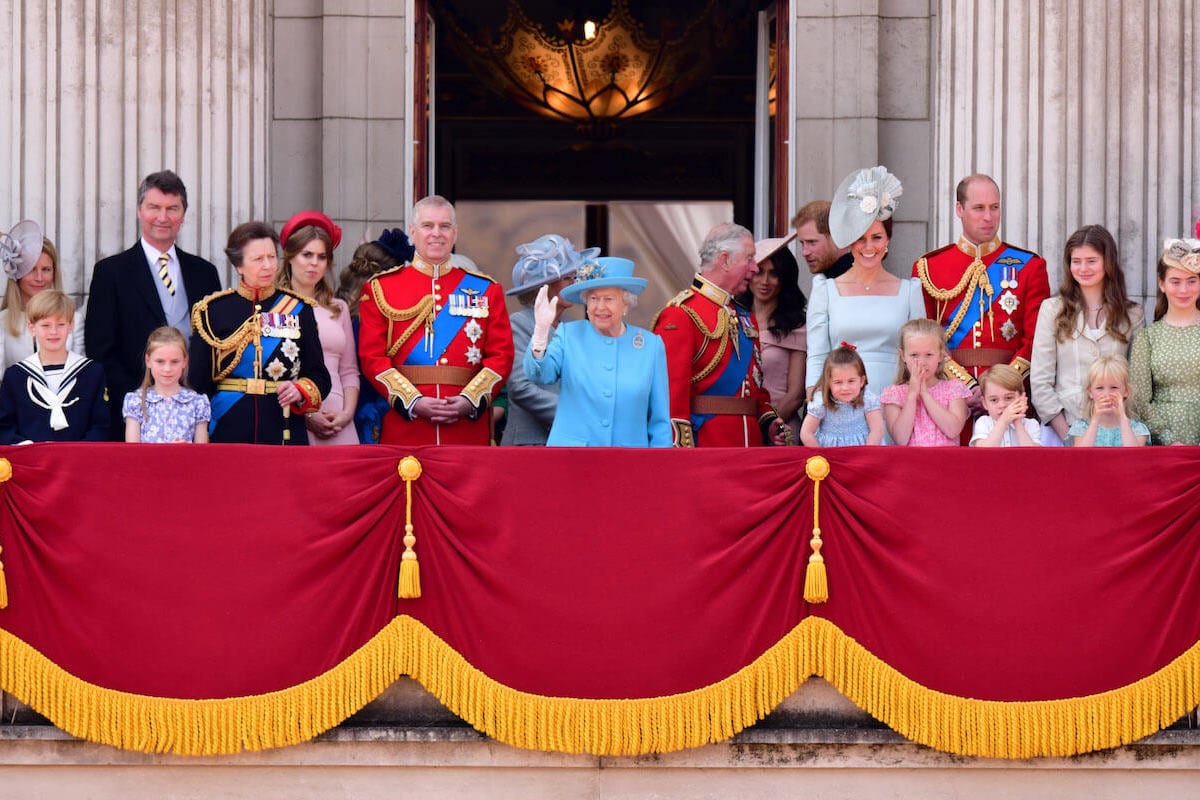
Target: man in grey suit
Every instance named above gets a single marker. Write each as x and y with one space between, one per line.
550 261
150 285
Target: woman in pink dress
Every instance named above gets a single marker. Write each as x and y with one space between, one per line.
309 239
779 307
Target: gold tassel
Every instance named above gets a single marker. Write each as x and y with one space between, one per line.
410 569
816 582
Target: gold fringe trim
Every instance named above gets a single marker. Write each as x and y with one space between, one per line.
713 713
200 727
960 725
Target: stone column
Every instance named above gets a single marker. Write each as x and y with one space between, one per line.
862 81
1084 112
98 93
338 122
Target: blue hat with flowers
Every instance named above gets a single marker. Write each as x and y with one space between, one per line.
604 271
545 260
865 195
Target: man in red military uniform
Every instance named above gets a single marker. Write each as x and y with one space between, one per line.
984 292
713 358
435 339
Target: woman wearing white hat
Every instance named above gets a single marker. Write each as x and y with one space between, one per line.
867 305
30 261
613 376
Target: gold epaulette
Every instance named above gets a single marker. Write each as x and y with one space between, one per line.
396 268
477 274
677 300
417 316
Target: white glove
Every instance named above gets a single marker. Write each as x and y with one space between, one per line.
544 312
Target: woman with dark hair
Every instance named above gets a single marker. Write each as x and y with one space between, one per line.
779 307
1090 317
255 350
1164 363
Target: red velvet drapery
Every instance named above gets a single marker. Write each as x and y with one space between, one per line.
223 572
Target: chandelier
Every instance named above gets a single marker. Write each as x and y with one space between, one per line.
598 72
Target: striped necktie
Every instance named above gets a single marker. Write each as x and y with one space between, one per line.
163 261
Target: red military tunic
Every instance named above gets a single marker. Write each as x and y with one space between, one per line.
987 299
714 369
434 331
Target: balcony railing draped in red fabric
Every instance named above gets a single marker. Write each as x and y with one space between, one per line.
208 599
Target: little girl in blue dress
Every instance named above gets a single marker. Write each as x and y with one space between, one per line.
843 411
1105 421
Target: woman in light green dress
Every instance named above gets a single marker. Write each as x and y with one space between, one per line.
1165 359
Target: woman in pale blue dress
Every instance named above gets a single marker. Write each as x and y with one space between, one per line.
867 305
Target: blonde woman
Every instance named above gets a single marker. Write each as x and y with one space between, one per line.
30 261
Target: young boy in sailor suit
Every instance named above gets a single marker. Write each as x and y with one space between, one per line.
53 395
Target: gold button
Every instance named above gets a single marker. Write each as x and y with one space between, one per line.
437 297
437 308
437 286
445 361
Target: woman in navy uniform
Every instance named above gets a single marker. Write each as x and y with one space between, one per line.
255 350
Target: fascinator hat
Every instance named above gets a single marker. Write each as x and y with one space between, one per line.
864 196
20 249
1182 254
317 220
765 248
395 242
604 271
545 260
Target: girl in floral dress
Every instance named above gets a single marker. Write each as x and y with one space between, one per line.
165 409
924 408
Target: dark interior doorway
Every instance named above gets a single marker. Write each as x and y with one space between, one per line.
698 147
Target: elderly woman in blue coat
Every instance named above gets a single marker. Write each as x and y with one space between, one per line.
612 375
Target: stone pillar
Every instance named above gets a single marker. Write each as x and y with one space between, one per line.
338 122
98 93
861 93
1084 113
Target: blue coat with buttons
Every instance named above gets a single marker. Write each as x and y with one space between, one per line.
613 390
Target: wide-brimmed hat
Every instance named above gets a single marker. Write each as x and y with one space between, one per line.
317 220
765 248
545 260
20 249
1182 254
864 196
604 271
